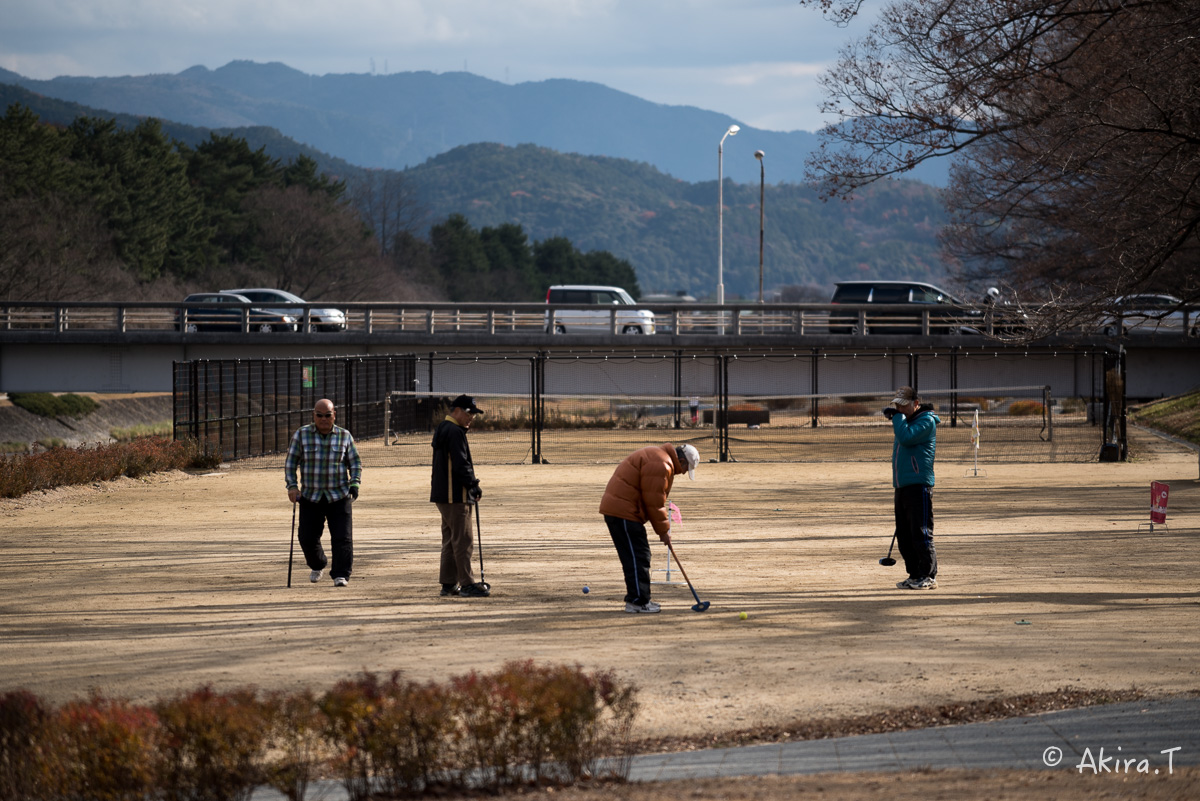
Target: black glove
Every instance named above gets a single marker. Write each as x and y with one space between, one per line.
889 412
475 493
354 491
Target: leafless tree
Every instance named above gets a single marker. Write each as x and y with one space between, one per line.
315 246
52 249
390 209
1075 129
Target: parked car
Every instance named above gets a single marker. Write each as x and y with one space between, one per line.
942 306
631 321
328 319
222 311
1147 314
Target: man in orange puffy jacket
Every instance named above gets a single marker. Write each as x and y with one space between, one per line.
637 494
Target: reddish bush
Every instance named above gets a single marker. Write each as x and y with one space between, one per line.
25 769
844 410
212 745
106 750
296 740
385 737
554 721
390 736
22 473
1026 408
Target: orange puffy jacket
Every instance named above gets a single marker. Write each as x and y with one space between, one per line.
640 485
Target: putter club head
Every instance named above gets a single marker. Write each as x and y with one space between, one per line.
887 561
700 607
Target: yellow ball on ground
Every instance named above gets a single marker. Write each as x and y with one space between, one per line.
742 616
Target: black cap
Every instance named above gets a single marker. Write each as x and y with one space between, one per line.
466 403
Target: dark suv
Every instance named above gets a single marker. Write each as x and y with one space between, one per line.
941 304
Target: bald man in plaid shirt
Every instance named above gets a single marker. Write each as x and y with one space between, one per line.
330 471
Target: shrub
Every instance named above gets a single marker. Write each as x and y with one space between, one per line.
1074 406
557 722
25 772
296 724
212 745
44 404
383 737
14 447
160 429
844 410
1025 408
58 467
106 750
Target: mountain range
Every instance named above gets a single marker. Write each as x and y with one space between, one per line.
402 119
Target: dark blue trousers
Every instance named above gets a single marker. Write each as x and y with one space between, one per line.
914 530
313 516
634 550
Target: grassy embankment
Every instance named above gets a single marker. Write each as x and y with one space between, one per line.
1178 416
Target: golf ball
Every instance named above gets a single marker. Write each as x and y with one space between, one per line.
586 590
742 616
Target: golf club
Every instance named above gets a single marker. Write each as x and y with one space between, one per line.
479 537
292 545
699 606
888 561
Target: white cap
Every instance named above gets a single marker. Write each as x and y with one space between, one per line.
692 456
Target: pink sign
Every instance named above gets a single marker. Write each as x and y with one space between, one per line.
1158 502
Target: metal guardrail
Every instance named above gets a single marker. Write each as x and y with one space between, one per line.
736 319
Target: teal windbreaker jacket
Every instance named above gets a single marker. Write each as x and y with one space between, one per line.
914 447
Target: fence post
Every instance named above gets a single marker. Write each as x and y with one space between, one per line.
815 384
954 386
1048 406
722 410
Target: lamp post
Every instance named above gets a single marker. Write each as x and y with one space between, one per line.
733 129
762 178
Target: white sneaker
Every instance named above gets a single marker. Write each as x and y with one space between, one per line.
315 576
340 581
650 607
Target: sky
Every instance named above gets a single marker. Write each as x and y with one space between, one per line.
757 61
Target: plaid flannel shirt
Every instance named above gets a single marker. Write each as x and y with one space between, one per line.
328 465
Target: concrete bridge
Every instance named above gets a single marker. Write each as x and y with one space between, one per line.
130 347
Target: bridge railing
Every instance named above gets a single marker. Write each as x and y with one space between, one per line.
686 319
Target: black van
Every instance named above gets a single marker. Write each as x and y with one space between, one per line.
941 305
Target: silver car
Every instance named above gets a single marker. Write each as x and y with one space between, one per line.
322 319
1147 314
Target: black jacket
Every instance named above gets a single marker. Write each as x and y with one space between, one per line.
453 473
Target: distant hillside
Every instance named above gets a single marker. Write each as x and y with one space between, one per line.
666 228
401 120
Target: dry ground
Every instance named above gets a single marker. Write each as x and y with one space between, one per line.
141 589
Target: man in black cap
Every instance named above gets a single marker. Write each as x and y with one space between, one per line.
455 490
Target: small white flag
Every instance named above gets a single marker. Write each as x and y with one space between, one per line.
975 431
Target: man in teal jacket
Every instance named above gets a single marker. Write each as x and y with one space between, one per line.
915 428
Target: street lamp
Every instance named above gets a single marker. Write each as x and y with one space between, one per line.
762 178
733 129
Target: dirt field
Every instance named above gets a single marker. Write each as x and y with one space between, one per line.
141 589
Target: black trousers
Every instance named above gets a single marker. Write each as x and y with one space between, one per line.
634 550
914 530
313 516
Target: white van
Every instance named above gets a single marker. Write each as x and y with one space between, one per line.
629 321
